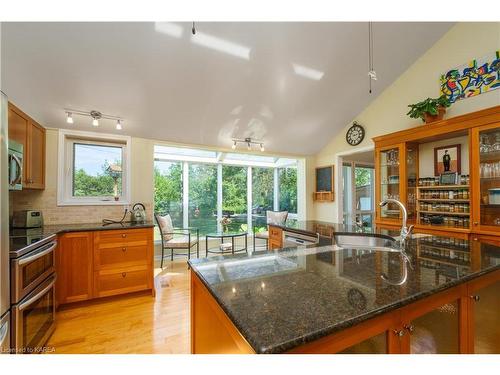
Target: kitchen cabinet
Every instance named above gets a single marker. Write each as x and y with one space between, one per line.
103 263
26 131
275 237
396 171
74 267
486 178
470 204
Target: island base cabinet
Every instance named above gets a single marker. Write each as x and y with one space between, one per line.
484 319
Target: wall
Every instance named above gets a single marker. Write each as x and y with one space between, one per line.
142 190
426 155
387 113
46 200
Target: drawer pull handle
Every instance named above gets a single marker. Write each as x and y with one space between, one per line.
124 235
124 274
124 249
399 333
475 298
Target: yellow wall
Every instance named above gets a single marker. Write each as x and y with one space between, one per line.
387 113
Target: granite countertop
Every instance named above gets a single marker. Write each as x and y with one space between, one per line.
65 228
282 299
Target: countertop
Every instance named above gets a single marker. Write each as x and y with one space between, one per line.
285 298
21 238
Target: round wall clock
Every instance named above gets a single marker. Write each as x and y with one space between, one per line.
355 134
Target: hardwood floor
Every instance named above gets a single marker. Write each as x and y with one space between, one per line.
137 323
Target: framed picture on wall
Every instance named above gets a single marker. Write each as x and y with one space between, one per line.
447 159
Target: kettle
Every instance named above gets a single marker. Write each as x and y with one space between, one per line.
138 213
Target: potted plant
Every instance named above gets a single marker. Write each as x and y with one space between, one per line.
429 110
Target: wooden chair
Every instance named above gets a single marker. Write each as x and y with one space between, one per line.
169 241
272 217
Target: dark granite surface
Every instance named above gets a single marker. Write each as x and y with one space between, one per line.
279 300
20 238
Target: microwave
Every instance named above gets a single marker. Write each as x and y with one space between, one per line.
15 166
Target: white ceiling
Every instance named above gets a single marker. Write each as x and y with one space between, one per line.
167 87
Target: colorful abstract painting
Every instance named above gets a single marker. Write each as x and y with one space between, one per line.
476 77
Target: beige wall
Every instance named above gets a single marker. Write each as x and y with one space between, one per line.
46 200
387 113
142 190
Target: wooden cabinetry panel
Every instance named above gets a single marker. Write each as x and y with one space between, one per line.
120 256
275 237
24 130
36 157
74 267
119 281
113 238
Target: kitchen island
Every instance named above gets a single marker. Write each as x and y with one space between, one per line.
325 299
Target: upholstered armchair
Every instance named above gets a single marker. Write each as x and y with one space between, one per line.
177 238
272 217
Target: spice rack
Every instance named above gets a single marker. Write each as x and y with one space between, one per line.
444 207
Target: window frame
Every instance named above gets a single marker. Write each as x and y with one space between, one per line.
67 139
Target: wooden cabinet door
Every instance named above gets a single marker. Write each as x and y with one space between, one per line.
18 132
36 157
74 271
485 179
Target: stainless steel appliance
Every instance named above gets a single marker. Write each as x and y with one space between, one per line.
15 166
32 291
4 229
293 239
27 219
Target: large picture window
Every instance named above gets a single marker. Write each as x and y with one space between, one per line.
199 187
93 169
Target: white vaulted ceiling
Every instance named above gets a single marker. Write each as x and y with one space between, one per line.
293 85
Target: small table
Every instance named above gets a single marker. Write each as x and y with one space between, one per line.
222 236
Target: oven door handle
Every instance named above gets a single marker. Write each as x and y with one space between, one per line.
37 255
36 297
3 333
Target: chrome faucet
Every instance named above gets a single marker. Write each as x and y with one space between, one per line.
405 231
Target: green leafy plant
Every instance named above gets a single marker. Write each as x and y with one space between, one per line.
428 106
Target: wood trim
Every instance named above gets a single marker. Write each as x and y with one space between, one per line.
348 337
211 330
454 124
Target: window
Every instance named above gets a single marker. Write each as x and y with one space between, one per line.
288 189
199 187
234 196
262 195
203 197
93 169
168 190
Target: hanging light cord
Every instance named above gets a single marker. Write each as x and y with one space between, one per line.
193 29
370 54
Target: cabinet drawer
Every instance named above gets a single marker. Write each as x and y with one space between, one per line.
109 283
120 256
116 238
273 244
275 233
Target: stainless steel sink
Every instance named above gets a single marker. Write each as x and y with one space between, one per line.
366 241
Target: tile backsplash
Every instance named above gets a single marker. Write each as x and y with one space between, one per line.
46 201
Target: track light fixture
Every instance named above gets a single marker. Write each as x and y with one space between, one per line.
95 115
249 142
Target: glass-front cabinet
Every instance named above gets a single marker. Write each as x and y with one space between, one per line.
486 189
396 175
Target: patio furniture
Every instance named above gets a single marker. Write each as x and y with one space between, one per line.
177 238
223 248
272 217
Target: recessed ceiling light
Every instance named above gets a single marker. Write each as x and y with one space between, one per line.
221 45
307 72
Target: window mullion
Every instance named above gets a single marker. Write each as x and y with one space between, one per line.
276 190
185 194
219 197
249 199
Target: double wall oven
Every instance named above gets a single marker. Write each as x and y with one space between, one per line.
32 280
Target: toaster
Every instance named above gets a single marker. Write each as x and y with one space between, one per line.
27 219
